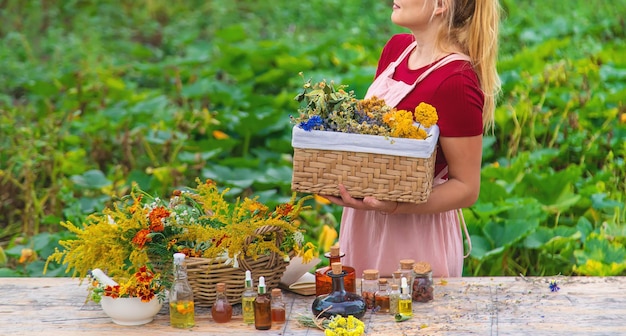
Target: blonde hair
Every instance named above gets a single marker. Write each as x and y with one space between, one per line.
473 26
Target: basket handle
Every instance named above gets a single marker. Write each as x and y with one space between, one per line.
265 229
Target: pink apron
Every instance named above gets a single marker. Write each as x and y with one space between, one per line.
373 240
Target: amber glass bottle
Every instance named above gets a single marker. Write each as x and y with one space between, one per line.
324 284
338 301
278 306
221 311
262 307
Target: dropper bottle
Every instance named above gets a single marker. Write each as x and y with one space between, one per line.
262 307
405 304
247 299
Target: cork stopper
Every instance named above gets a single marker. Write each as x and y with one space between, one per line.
382 281
334 250
220 287
422 267
276 292
336 268
397 275
370 274
394 286
406 264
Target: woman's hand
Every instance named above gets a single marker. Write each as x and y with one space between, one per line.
367 203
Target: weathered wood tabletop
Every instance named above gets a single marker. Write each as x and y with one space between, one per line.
462 306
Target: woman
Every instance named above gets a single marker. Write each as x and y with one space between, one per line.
453 47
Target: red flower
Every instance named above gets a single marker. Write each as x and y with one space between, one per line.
141 238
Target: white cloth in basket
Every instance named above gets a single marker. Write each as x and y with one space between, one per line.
363 143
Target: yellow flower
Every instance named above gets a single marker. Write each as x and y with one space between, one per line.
426 115
219 135
327 237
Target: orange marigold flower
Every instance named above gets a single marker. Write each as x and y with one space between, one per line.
284 209
156 218
146 295
144 275
112 291
177 192
141 238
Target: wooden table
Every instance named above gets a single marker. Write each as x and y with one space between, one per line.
462 306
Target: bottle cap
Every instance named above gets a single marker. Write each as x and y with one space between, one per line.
334 251
337 269
406 263
248 275
261 286
370 274
179 258
404 283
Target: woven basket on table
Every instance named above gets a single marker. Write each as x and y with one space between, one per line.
205 273
390 177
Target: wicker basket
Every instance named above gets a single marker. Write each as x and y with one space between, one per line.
391 177
205 273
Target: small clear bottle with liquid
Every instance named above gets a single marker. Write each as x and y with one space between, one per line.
247 299
405 303
182 313
221 311
262 307
279 312
381 297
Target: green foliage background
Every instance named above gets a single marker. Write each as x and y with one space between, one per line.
97 94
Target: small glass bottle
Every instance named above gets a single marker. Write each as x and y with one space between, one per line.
423 288
247 299
182 313
406 270
221 311
262 307
405 304
394 299
369 286
338 301
323 283
381 297
395 278
278 306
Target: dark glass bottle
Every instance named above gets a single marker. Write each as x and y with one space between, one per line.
221 311
262 307
324 284
338 301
